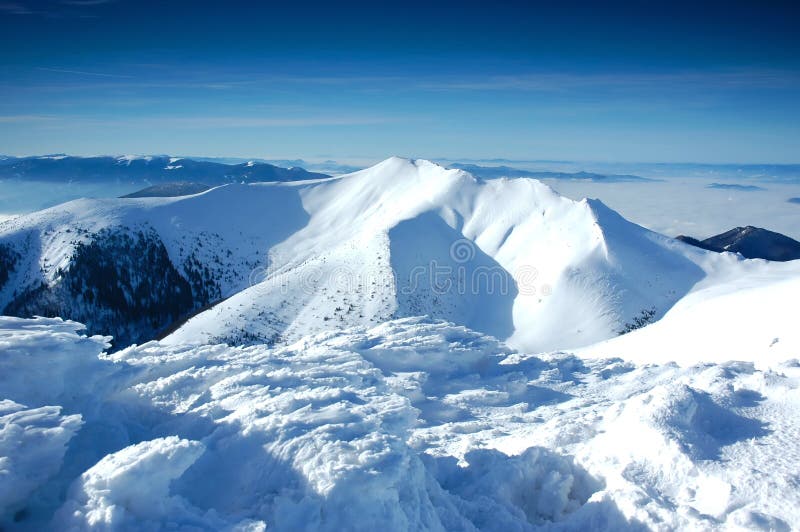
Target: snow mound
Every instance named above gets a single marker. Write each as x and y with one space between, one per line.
130 489
45 361
411 424
32 446
499 492
704 445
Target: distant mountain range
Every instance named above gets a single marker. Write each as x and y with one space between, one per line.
774 173
493 172
169 190
751 242
734 186
146 169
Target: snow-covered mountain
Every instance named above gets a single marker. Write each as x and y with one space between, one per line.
506 257
131 267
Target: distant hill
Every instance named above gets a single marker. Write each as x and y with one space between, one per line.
169 190
146 169
733 186
493 172
751 242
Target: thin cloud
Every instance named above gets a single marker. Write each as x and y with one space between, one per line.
695 88
82 3
16 9
564 81
215 122
550 82
60 9
14 119
244 122
83 73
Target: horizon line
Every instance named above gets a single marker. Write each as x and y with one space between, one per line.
343 159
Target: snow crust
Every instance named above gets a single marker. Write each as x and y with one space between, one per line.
410 424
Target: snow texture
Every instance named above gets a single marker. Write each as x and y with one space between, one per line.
411 424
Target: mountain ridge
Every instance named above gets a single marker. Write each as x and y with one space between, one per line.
492 172
457 206
150 169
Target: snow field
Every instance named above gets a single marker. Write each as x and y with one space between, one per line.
411 424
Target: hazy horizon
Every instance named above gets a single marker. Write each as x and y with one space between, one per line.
366 161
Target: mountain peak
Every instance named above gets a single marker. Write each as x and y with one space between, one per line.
397 161
395 170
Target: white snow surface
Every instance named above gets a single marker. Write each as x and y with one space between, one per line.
412 424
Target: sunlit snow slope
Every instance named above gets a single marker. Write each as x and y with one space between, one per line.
506 257
746 312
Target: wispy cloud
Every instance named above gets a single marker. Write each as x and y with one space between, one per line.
195 122
548 81
244 122
16 9
53 9
622 80
16 119
664 82
83 73
87 3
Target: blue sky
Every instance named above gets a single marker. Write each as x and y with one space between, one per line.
634 81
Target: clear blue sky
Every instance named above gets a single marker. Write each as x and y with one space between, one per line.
634 81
